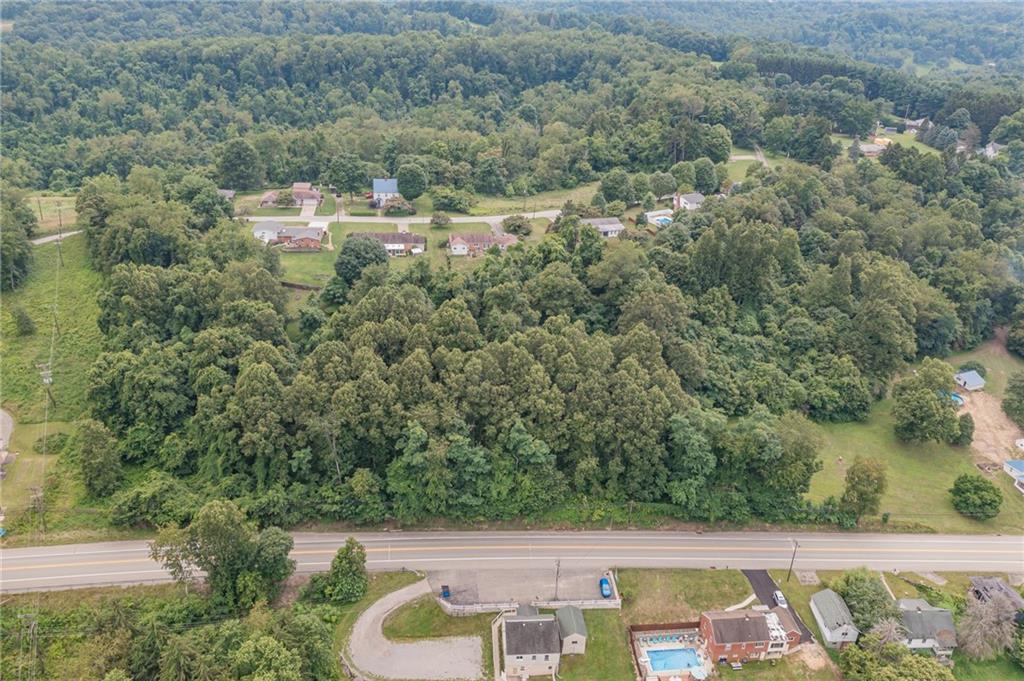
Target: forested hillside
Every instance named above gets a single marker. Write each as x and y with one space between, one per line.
679 367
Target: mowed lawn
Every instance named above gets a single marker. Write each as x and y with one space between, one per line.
249 203
75 347
919 476
437 255
998 362
52 211
549 200
316 269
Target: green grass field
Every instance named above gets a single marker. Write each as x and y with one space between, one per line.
919 476
504 205
655 596
738 169
52 210
328 207
77 344
423 618
907 140
316 269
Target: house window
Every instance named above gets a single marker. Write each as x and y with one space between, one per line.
534 657
547 657
759 645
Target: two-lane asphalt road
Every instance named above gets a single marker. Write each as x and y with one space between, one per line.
61 567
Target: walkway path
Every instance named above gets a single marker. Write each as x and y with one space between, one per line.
54 237
444 658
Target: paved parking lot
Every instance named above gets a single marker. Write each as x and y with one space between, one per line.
523 586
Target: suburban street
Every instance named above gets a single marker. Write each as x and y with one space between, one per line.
61 567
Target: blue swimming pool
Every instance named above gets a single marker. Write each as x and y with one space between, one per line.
672 659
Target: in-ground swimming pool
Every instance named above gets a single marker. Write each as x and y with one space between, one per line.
672 659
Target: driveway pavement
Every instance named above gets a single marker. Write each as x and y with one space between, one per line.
443 658
764 587
470 587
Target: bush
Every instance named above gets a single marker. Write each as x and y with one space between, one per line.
398 208
518 225
158 501
976 497
965 432
23 324
284 198
615 209
346 581
51 444
973 365
439 220
451 200
1015 338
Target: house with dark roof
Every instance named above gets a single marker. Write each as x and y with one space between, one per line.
530 644
969 380
606 227
746 635
572 629
927 627
986 588
834 619
384 189
396 243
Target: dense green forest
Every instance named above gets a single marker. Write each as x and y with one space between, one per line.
678 368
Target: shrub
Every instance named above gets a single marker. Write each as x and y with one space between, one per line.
439 220
976 497
23 324
965 431
398 207
451 200
51 444
346 581
285 198
1013 401
518 225
615 209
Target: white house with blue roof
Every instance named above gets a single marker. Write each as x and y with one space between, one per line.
969 380
384 189
1015 469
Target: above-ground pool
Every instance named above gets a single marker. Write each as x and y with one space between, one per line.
672 659
957 398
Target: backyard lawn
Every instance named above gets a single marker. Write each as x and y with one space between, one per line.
919 476
907 139
423 618
436 254
510 205
52 211
738 169
316 269
657 596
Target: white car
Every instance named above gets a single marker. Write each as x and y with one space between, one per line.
780 599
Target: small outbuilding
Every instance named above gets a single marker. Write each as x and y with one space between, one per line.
606 227
986 588
834 619
969 380
572 629
1015 469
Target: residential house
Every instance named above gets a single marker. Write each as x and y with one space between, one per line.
914 126
475 244
303 194
992 149
228 194
1015 469
397 244
606 227
660 218
530 644
572 629
987 588
691 201
383 190
834 619
927 627
969 380
296 238
746 635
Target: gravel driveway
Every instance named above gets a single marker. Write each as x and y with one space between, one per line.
443 658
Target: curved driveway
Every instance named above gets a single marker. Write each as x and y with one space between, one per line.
57 567
443 658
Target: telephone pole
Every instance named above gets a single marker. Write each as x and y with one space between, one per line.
792 560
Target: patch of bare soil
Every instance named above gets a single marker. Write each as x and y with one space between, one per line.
815 657
994 432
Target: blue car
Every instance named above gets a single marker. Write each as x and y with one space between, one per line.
606 588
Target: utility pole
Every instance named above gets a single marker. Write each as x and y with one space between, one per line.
47 375
558 566
60 236
792 560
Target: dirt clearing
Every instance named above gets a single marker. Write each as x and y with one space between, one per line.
994 432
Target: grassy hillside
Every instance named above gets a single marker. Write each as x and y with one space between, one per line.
76 346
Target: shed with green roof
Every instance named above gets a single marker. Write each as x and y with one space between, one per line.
572 629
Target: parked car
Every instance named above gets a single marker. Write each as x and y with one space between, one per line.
780 599
606 588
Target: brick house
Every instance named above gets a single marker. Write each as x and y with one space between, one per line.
749 635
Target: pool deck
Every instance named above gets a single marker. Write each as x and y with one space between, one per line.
646 642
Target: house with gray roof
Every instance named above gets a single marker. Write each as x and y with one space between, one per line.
606 227
691 201
530 644
834 619
969 380
572 629
384 189
297 238
927 627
